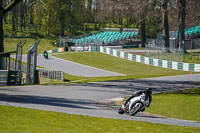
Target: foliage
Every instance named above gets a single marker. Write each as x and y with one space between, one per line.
45 44
59 15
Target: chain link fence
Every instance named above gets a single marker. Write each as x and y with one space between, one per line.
156 49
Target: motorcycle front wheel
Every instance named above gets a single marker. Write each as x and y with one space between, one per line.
135 108
121 110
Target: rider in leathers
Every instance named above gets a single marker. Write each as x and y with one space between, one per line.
147 92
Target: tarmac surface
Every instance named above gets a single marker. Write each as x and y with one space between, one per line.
71 67
88 99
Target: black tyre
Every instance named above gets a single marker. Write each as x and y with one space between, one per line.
135 108
121 110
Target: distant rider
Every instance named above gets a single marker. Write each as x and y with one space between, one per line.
45 54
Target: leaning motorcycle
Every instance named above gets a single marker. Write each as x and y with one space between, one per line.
136 104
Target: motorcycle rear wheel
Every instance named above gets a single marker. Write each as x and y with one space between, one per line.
135 108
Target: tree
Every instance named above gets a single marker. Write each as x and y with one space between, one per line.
3 11
165 22
182 15
1 27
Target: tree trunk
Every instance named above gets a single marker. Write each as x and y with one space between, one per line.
31 15
143 34
95 26
181 33
127 21
165 24
62 24
21 16
14 21
1 35
1 26
5 19
25 13
121 23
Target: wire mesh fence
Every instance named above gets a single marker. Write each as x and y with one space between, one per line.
156 49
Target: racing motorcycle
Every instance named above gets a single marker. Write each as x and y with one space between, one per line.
137 102
45 54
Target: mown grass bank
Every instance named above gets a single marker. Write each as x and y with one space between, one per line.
21 120
180 104
133 70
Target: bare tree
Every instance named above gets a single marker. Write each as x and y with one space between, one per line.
182 15
3 11
1 26
165 22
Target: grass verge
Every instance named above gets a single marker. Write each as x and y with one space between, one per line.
133 70
21 120
187 59
180 104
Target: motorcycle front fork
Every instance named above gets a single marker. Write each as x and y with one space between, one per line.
125 107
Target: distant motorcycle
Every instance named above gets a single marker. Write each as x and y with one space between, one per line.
137 102
45 54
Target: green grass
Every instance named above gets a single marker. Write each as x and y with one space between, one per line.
181 104
21 120
132 69
187 59
142 48
10 44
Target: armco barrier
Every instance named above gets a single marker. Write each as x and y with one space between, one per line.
90 48
57 50
151 61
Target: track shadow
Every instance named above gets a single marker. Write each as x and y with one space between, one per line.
129 86
149 116
12 89
51 101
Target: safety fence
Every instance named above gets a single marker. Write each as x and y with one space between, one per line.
51 74
157 50
151 61
77 48
57 50
44 73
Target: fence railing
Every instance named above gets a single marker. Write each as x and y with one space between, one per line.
44 73
51 74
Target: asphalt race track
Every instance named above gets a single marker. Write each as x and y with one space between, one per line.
88 98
